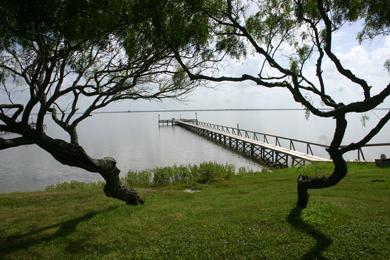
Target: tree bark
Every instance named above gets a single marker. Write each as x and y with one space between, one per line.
304 183
113 187
74 155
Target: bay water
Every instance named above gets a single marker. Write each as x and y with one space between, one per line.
137 142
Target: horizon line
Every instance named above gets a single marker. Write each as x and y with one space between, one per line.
211 110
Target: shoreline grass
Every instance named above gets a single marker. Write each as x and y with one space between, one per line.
243 216
190 174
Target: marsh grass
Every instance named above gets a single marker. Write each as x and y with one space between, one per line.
74 185
189 175
162 176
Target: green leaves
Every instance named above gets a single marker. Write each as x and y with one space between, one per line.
273 20
294 66
179 78
387 65
375 13
232 46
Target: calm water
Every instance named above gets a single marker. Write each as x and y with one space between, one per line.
136 142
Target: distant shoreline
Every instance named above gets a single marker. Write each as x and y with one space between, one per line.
211 110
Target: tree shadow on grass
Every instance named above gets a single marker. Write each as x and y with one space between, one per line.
23 241
322 241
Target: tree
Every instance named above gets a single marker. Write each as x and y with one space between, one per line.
375 13
69 58
307 28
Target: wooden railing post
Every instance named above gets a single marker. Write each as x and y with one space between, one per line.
308 148
292 146
277 143
360 154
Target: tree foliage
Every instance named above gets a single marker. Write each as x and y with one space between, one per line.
375 13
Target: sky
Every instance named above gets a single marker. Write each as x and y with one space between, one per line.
365 60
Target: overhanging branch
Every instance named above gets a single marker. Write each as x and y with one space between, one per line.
14 142
369 136
18 107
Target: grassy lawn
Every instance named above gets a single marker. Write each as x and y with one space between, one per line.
248 216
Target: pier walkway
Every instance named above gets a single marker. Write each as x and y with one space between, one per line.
272 150
270 154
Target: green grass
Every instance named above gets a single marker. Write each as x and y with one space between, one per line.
247 216
191 175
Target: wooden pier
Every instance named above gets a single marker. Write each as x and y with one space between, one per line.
270 154
173 121
272 150
167 122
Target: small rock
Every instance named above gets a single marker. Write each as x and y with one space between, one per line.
191 190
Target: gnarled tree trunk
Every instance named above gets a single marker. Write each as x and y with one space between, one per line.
74 155
113 187
304 183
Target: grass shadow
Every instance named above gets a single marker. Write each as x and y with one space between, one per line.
322 241
23 241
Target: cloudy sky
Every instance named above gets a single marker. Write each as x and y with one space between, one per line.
365 60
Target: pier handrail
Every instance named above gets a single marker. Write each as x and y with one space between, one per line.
240 130
255 136
268 153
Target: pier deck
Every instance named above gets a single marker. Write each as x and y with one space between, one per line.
269 154
272 150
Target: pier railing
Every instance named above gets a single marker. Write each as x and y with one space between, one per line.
172 122
264 137
237 139
277 140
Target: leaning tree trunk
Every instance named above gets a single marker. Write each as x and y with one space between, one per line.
74 155
113 187
304 183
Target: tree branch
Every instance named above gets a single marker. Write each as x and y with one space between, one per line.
374 131
14 142
328 49
18 107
